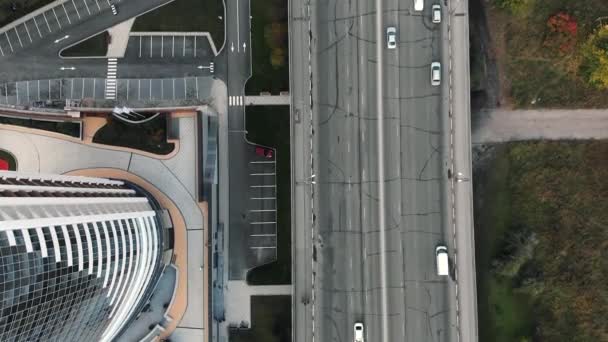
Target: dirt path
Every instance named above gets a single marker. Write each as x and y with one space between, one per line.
501 125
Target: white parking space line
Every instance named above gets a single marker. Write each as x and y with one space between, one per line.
150 46
9 41
82 88
263 223
173 88
262 198
38 90
1 51
98 7
255 247
76 8
139 89
66 14
37 28
262 234
139 46
194 46
263 174
173 46
27 88
46 21
184 48
28 31
150 89
185 87
128 81
162 45
87 6
55 13
18 37
262 162
196 83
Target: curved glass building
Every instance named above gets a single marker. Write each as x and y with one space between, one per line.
79 256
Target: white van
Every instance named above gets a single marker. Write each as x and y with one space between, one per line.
418 5
443 266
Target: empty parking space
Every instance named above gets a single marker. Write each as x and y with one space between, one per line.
48 25
261 202
163 45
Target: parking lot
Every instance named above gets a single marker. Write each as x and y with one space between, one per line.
25 93
163 45
261 203
48 24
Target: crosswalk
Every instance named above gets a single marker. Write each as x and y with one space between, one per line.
111 79
234 100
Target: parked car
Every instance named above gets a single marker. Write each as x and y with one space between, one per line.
264 152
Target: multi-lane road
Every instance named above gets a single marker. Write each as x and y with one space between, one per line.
384 144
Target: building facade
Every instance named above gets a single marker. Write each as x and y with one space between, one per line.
79 256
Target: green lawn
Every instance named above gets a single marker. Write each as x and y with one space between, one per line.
23 7
271 316
186 16
270 52
150 136
96 46
269 126
541 209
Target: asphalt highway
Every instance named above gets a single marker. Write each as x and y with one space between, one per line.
381 150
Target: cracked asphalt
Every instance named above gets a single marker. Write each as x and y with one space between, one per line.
347 272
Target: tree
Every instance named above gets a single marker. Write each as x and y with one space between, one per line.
594 67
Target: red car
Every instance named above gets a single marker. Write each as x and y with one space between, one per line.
264 152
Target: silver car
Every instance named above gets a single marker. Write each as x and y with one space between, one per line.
391 37
435 73
436 13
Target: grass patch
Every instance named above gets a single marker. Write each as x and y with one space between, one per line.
8 13
541 209
186 16
9 159
67 128
271 321
150 136
96 46
270 52
269 126
544 66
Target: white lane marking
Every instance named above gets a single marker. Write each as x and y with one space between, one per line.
27 31
56 18
47 22
66 14
18 37
9 41
37 28
77 13
87 6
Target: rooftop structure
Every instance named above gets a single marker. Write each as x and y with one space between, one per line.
79 256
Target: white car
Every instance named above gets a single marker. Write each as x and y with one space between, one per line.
358 333
435 73
418 5
391 37
443 266
436 14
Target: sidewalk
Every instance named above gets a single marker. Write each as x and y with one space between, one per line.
500 125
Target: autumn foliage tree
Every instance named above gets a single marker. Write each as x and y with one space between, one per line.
594 67
562 32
